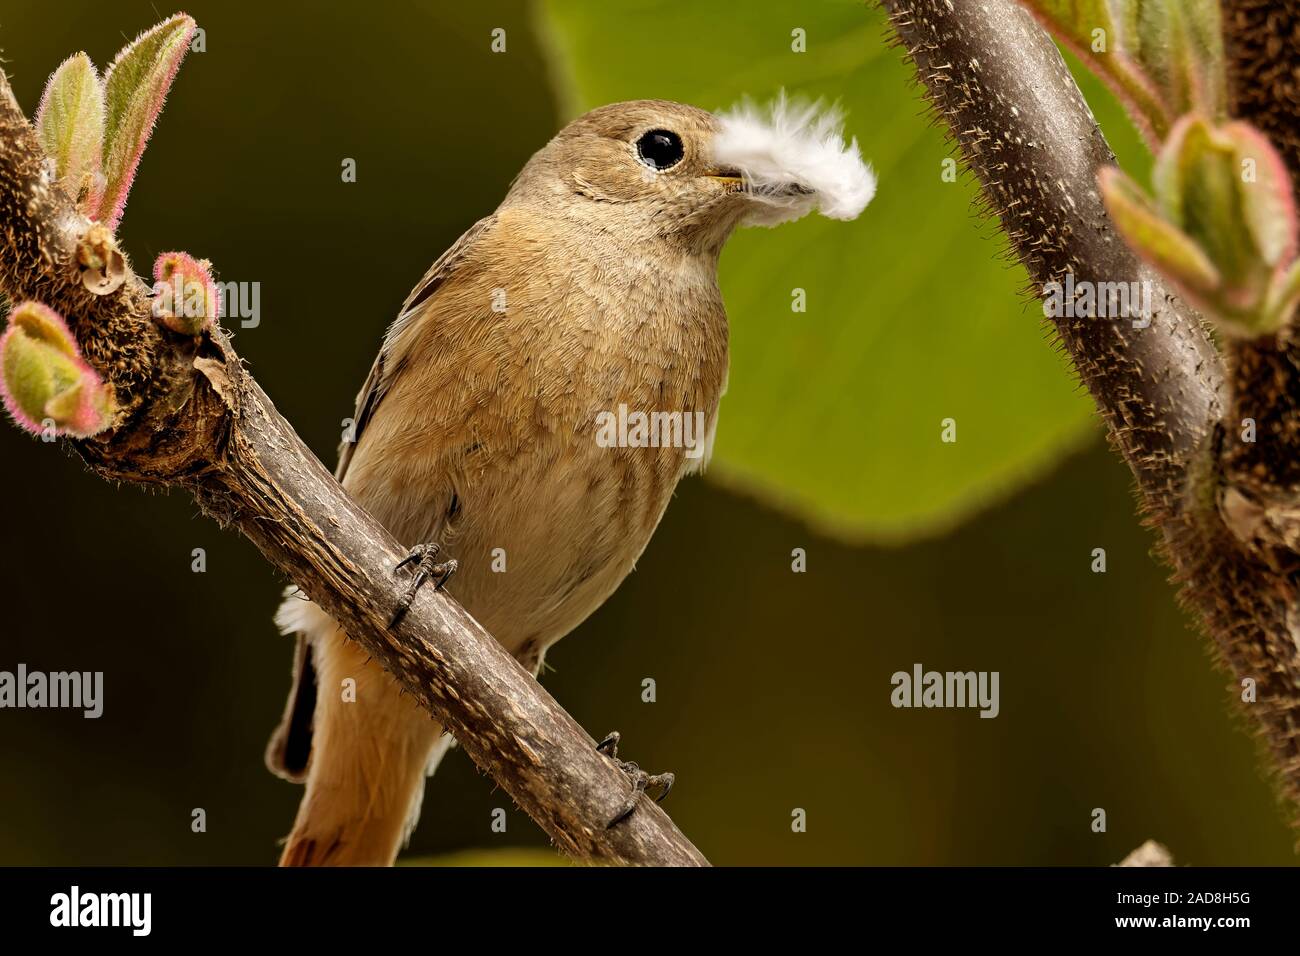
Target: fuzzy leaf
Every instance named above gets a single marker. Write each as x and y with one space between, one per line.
43 376
1200 190
1180 47
1074 22
1267 201
70 124
1204 24
1156 240
1283 297
136 85
1225 191
1164 58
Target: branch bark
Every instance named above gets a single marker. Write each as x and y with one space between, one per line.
194 418
1171 408
1260 41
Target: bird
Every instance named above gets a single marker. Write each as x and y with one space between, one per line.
591 292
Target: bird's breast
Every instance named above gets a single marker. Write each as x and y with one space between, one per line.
560 422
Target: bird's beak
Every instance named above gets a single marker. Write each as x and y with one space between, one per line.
727 176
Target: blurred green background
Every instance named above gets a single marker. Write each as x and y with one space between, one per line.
772 687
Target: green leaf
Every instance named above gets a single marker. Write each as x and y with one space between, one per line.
1106 34
1199 188
1283 298
1204 24
1264 185
136 86
1180 47
1155 239
1223 202
836 413
43 376
70 124
1163 57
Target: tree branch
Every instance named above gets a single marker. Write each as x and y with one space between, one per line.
194 418
1022 126
1260 40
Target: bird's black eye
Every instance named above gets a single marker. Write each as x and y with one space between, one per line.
660 148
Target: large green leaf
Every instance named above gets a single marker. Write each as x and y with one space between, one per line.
913 315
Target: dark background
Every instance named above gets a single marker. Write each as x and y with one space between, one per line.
773 688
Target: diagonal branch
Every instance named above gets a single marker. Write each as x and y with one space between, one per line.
194 418
1024 129
1022 126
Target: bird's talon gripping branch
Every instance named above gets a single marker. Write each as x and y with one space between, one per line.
427 565
641 781
665 782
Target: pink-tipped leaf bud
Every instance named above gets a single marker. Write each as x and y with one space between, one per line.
45 382
186 299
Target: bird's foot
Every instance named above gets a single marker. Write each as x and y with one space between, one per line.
427 565
641 781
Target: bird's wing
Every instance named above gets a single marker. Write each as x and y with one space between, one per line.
291 744
384 370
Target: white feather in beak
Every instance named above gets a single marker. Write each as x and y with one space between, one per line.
793 159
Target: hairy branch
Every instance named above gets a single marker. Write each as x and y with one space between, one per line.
194 418
1261 40
1172 409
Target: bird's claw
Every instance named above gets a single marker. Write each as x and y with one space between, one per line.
427 565
641 781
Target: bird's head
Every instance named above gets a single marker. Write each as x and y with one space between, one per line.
656 170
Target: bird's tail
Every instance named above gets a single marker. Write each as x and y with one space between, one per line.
363 748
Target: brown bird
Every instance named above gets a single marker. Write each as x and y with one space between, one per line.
531 410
